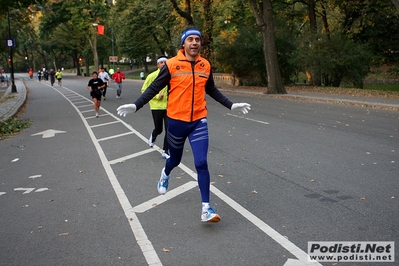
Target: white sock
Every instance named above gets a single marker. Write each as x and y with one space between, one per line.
205 206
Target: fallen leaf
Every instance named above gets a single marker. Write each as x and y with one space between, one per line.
63 234
131 219
165 250
212 183
220 176
255 192
80 171
221 164
368 152
363 198
228 182
312 180
392 197
154 204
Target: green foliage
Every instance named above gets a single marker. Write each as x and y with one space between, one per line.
242 55
337 59
149 29
12 126
382 87
372 22
48 31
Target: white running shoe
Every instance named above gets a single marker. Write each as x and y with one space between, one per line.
150 141
163 183
165 155
210 215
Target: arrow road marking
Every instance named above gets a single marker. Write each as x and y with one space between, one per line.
35 176
49 133
42 189
27 190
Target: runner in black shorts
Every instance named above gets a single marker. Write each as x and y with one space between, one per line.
95 86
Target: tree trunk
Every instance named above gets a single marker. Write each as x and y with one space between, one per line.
396 3
315 76
207 37
264 19
184 14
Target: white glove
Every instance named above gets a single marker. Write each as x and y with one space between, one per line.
125 109
241 107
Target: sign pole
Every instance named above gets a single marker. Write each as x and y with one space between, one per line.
13 87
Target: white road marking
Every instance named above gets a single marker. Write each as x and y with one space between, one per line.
27 190
49 133
163 198
131 156
115 136
142 240
87 105
249 119
105 124
41 189
130 212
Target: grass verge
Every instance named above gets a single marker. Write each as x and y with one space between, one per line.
12 126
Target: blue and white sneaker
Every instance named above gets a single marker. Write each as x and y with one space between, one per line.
210 215
165 155
163 183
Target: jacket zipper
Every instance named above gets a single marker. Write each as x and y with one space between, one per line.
193 91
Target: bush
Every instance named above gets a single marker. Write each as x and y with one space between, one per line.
337 59
12 126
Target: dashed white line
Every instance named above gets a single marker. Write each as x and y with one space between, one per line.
246 118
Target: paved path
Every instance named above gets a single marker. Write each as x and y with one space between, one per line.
10 103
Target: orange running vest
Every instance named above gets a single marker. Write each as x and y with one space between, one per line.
186 95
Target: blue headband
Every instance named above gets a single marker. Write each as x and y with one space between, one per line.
188 32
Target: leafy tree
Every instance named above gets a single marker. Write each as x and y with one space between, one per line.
338 58
149 28
264 19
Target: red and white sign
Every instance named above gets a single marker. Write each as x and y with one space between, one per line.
113 59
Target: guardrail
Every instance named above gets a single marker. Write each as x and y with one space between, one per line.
226 79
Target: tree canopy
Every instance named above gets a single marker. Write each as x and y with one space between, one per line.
266 43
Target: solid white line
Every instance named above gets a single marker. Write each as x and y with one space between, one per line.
87 111
131 156
163 198
115 136
246 118
87 105
142 240
288 245
105 124
82 102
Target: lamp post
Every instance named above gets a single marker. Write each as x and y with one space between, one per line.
13 87
95 48
113 51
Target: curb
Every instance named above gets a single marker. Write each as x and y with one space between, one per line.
11 102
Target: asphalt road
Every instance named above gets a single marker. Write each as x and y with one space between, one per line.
80 190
